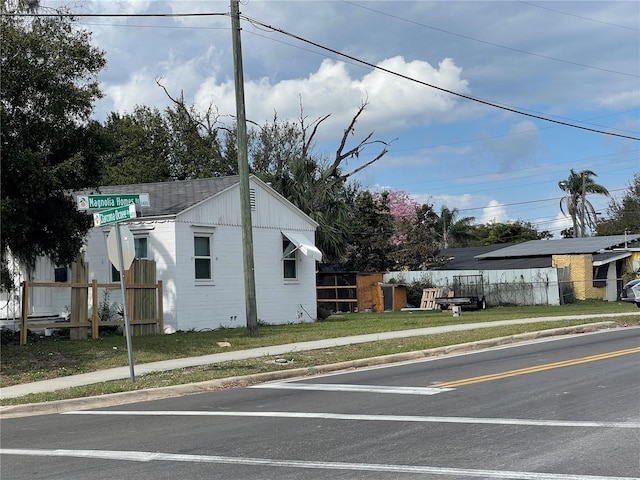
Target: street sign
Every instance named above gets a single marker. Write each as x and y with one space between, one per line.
114 215
97 202
128 247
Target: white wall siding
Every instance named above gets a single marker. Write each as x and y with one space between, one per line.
283 301
221 303
270 210
161 247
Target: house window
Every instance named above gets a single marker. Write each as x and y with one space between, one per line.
141 247
600 275
61 274
202 256
289 260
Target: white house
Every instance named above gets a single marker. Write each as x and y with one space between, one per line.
192 230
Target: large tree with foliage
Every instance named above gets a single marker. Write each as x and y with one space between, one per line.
453 230
420 241
141 143
514 232
575 203
372 226
49 144
623 215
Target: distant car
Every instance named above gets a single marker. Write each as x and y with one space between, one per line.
631 292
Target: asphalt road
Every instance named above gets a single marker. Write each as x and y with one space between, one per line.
567 408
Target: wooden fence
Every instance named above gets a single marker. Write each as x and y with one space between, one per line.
143 317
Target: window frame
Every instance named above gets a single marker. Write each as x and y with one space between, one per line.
288 259
209 237
115 274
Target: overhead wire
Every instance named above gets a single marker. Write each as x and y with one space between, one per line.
451 92
258 23
431 27
578 16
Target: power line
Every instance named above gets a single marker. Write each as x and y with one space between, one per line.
489 43
578 16
256 22
451 92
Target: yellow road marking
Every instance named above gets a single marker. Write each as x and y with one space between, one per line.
538 368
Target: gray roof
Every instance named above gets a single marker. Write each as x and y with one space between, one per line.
565 246
171 198
467 259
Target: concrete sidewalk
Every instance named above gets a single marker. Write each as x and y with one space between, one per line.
124 372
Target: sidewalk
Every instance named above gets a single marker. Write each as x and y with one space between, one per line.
124 372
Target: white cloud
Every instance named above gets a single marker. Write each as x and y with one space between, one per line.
393 103
494 212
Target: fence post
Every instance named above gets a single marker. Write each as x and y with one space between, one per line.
160 309
79 297
95 331
25 313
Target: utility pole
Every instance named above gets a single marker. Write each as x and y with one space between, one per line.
243 172
582 226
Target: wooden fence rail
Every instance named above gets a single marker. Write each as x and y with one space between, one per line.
94 323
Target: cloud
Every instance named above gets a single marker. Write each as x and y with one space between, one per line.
518 146
394 103
626 99
494 212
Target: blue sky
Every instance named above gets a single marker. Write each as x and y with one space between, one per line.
572 61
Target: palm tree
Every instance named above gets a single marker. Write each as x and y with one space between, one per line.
576 205
452 228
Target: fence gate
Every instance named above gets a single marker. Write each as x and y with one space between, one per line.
143 304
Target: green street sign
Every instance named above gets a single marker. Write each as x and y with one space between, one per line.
97 202
114 215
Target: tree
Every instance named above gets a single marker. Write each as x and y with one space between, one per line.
623 215
454 231
49 144
576 205
198 148
370 248
514 232
141 143
282 155
329 204
420 241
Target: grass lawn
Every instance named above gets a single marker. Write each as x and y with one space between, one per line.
50 357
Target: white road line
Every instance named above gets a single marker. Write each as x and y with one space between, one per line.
362 467
331 387
379 418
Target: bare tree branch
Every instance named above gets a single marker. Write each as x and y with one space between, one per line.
307 143
340 155
210 126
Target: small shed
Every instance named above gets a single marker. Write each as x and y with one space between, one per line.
389 297
342 292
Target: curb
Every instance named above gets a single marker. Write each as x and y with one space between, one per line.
123 398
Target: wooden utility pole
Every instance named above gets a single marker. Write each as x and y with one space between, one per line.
243 171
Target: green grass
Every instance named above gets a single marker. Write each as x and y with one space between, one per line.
51 357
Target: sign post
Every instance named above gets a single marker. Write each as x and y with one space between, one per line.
125 307
122 207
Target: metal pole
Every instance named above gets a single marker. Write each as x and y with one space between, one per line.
583 229
125 307
243 172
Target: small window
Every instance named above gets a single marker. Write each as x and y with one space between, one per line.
289 259
141 246
600 276
60 274
202 257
